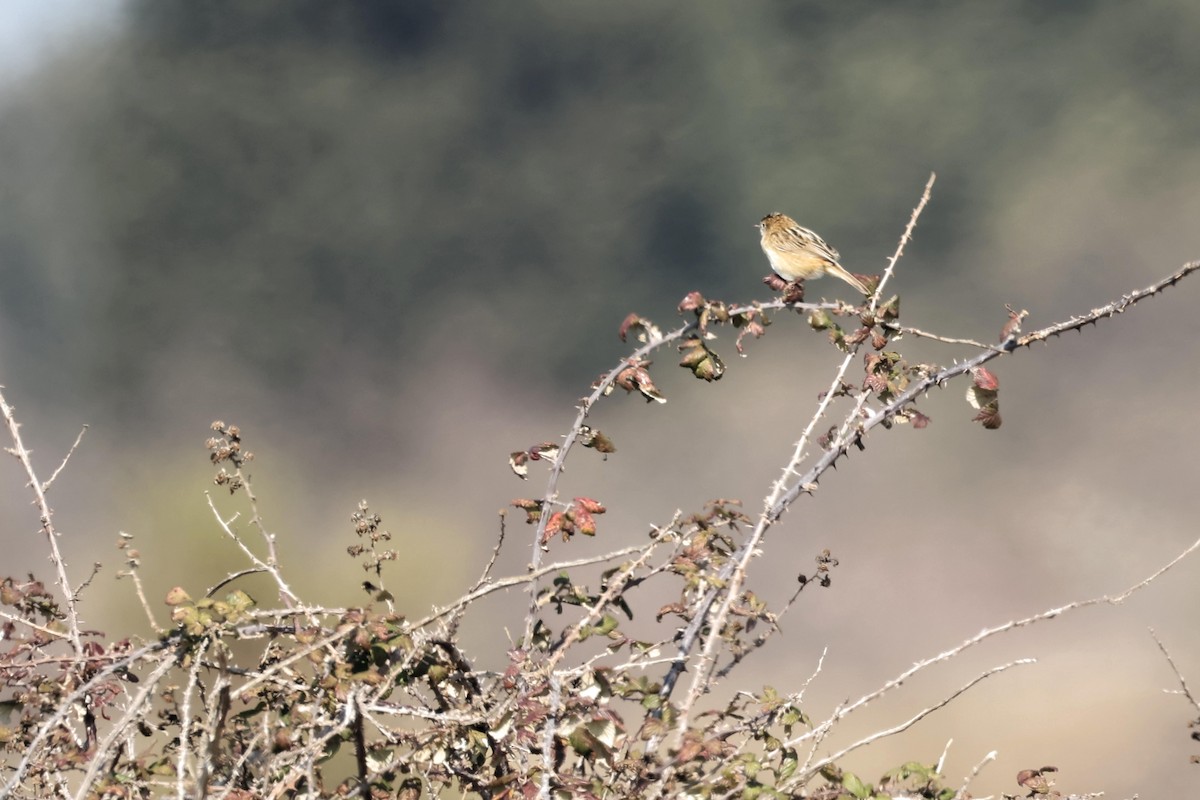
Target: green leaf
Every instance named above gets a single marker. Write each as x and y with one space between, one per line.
852 784
788 765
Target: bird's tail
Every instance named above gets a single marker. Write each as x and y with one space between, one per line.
838 271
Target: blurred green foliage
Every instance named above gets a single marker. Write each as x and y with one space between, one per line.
272 180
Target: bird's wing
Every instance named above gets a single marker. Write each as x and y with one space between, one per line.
806 238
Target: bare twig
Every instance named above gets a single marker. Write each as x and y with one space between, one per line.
270 566
136 707
807 772
941 762
360 750
69 705
66 458
50 632
985 634
517 580
294 657
794 699
133 565
1111 309
1183 687
556 468
905 238
553 708
185 723
213 737
616 586
487 570
228 579
908 331
550 496
805 483
39 494
774 507
962 790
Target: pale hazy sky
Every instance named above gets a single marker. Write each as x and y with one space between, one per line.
32 30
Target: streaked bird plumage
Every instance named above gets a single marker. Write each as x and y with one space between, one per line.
798 254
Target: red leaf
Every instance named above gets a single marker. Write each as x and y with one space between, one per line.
859 335
630 321
554 525
643 329
877 383
984 379
585 522
752 327
691 302
588 504
547 450
989 415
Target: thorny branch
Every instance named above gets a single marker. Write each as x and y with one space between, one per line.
793 483
407 697
583 411
737 566
806 482
1183 687
810 769
24 456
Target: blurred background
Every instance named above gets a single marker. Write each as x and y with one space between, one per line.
393 242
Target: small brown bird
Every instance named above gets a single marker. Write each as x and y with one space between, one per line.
797 254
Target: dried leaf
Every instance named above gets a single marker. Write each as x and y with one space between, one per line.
554 526
1013 326
876 382
519 463
984 379
870 281
636 377
590 505
989 415
644 330
546 450
703 362
748 324
177 597
775 282
860 335
691 302
890 311
982 394
820 320
584 521
596 440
